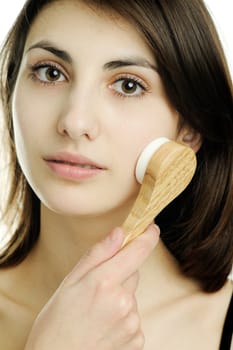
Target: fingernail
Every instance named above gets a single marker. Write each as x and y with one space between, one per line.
156 229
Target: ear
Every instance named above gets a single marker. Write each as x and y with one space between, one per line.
191 138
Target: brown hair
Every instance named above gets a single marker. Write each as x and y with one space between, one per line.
197 227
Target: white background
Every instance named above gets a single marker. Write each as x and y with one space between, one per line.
221 11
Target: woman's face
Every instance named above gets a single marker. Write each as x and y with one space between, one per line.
87 100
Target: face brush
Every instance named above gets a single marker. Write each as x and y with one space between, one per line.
164 168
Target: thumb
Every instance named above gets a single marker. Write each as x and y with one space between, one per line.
99 253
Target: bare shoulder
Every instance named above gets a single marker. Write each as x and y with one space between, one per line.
220 303
224 296
228 315
14 320
6 326
192 322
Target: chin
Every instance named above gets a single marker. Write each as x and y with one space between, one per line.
89 201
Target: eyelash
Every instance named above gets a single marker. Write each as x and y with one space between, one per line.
128 78
34 69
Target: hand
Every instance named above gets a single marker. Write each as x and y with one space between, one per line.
95 306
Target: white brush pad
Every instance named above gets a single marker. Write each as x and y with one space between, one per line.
146 155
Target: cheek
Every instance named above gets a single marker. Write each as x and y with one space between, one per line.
29 124
24 129
144 119
25 109
21 122
31 113
140 124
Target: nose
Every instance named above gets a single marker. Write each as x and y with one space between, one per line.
78 117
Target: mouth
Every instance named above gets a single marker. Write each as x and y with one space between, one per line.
73 166
74 160
79 165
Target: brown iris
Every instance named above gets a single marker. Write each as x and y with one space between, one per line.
52 74
129 86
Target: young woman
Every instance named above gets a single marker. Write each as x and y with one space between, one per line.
85 86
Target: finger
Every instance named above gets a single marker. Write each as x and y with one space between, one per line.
129 259
99 253
136 342
131 283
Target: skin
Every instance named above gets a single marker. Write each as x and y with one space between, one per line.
87 112
83 112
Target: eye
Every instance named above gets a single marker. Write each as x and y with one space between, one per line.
48 73
129 87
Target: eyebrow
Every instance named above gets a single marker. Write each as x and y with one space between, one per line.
134 61
115 64
48 46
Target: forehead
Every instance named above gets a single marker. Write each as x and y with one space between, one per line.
73 22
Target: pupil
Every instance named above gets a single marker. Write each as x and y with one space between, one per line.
129 86
52 74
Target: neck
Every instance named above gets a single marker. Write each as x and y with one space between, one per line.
63 241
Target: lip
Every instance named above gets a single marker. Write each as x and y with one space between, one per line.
73 166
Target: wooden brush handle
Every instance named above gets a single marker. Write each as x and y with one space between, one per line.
169 171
